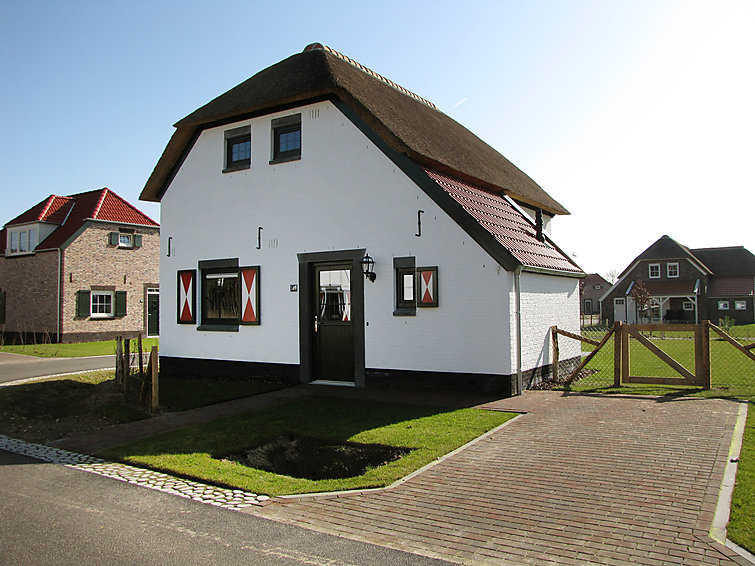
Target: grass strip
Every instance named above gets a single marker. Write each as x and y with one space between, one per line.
199 451
741 528
74 349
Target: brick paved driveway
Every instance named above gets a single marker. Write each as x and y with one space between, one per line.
579 480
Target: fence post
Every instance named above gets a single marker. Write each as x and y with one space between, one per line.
155 384
702 354
554 366
618 341
126 359
625 368
141 356
118 360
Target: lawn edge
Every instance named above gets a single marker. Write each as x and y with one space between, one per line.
726 489
398 482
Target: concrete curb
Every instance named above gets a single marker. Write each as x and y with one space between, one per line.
723 507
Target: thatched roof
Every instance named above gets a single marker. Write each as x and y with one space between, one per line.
407 123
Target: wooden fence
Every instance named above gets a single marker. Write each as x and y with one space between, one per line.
622 333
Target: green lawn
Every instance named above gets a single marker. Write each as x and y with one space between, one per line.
75 349
180 393
200 451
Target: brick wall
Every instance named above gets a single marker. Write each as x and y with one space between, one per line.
90 262
30 285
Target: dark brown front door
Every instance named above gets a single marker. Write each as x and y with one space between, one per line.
333 326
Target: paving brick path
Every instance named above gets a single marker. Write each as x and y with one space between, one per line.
579 480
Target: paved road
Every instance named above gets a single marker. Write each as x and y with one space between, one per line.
16 366
51 514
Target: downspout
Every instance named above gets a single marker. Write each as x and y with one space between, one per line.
518 314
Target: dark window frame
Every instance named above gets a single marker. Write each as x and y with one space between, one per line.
280 127
232 138
403 266
209 267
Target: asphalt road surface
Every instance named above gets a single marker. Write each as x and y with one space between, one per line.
50 514
16 366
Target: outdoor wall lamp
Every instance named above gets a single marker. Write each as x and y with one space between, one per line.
368 265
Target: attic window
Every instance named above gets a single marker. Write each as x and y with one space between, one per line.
238 148
654 271
286 138
21 241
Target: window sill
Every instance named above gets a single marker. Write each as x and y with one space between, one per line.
405 312
218 327
236 168
285 159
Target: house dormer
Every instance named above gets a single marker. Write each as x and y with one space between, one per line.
23 239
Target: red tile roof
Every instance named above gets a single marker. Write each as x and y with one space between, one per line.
70 213
510 227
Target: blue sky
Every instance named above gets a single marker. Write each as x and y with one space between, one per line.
638 116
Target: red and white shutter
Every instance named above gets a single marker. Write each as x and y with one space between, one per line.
428 286
250 295
187 281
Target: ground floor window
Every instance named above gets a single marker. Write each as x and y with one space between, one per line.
740 305
99 303
102 304
723 305
229 295
220 297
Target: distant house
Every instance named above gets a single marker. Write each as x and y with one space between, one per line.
79 268
686 285
324 224
593 287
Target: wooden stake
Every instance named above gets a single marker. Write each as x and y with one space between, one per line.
554 340
155 381
141 355
118 360
618 345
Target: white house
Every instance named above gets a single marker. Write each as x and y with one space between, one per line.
277 196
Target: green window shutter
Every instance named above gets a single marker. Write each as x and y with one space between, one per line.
120 303
113 238
2 307
137 240
83 303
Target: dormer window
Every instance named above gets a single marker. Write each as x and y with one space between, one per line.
22 240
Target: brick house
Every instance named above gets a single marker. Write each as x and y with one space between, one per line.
591 289
79 268
686 285
322 223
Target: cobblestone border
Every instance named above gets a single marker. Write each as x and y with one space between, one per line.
235 499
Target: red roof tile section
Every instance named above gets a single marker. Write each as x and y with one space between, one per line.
512 229
71 212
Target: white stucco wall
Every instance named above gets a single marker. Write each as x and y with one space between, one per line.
344 193
547 301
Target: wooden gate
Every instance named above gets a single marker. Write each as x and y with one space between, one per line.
698 375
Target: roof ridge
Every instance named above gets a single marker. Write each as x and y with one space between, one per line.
717 248
48 204
99 202
358 65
